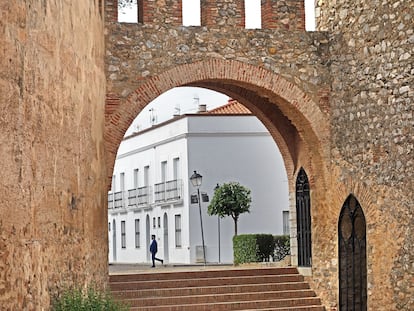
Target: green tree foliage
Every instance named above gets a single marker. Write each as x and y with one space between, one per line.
230 199
126 3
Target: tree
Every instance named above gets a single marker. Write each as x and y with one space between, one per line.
230 199
126 3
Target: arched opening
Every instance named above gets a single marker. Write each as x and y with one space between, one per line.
352 256
292 118
303 220
226 143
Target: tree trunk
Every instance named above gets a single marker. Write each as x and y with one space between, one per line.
235 226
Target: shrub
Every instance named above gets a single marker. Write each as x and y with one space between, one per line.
259 247
244 248
282 247
266 246
91 299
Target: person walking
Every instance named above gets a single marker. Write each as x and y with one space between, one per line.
154 250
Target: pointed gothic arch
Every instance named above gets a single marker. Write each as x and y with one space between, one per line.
303 220
352 257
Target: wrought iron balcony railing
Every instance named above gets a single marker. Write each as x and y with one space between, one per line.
139 196
168 191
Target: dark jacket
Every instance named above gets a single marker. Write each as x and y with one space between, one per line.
153 247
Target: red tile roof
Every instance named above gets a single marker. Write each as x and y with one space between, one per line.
232 107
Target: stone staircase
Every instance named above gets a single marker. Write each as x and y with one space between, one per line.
281 289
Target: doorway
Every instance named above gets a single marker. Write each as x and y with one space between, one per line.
166 253
114 241
352 257
147 237
303 219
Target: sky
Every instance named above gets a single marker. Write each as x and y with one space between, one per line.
183 100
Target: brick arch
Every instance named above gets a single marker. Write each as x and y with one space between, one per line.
310 123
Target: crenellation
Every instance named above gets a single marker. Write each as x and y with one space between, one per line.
286 14
222 13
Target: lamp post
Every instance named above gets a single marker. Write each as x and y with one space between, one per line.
218 227
196 180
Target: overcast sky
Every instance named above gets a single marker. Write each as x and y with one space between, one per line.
186 99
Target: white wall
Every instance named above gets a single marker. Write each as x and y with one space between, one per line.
221 149
237 149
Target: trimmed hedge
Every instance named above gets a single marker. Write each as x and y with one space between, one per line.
244 248
259 247
282 247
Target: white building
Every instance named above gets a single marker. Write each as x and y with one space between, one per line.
151 189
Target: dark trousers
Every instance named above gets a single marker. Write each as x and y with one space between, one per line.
154 259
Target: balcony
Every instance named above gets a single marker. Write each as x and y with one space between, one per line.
168 191
139 196
144 197
116 200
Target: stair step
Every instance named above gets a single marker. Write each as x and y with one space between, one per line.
297 308
262 289
239 305
200 274
209 290
198 299
215 281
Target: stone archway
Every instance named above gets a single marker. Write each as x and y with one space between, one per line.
294 119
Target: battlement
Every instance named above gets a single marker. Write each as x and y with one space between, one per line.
275 14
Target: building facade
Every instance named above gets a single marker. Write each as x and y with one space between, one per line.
151 189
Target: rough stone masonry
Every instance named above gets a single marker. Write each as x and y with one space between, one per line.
52 168
339 103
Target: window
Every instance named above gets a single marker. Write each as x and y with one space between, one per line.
137 234
146 176
122 181
113 183
123 234
178 231
163 171
159 222
286 227
153 222
176 168
136 171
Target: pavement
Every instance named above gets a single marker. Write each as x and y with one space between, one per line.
120 268
146 267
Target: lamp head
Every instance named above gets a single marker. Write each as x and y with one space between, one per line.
196 179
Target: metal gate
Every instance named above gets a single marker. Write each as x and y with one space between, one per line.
303 220
352 257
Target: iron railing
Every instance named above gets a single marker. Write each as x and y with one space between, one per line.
116 199
168 191
139 196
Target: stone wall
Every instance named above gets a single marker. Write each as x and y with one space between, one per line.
52 172
137 52
372 102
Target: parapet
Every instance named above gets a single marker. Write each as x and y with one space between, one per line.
276 14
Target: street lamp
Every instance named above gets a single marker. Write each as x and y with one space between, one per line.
196 180
218 226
